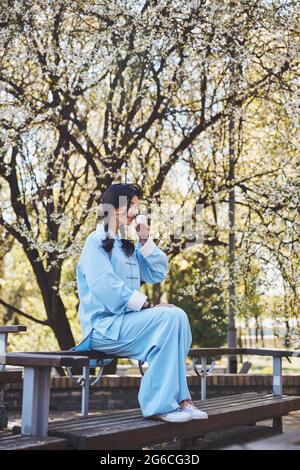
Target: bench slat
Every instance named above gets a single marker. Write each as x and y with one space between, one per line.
195 352
44 360
134 431
133 415
13 442
206 352
12 328
89 354
111 415
115 417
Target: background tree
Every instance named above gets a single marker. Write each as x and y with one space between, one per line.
93 92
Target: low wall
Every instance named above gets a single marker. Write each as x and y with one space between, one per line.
121 392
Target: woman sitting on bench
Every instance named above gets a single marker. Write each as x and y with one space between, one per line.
116 317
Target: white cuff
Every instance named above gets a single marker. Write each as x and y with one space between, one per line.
136 301
148 247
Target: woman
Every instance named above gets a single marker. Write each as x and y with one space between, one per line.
116 317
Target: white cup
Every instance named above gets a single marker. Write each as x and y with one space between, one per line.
141 219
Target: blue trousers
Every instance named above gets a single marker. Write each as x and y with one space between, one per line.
160 336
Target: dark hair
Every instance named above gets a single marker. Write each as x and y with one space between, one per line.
111 196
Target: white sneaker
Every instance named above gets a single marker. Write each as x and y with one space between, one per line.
194 412
176 416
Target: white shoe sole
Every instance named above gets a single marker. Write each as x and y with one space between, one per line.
199 417
162 418
195 416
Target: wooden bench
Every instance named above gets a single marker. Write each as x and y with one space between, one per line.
204 355
36 386
10 441
130 430
96 360
7 376
4 332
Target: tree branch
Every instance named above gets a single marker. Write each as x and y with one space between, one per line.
19 312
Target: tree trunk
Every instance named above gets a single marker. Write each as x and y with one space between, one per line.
287 337
256 331
231 331
156 293
262 337
55 309
60 323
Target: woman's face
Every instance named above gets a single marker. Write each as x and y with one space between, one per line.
125 216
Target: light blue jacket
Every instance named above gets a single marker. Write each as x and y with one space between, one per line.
109 283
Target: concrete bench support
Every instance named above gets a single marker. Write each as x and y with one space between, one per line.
36 398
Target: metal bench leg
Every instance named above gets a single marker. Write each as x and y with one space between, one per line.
36 397
203 372
85 384
277 376
277 424
3 347
203 378
277 389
